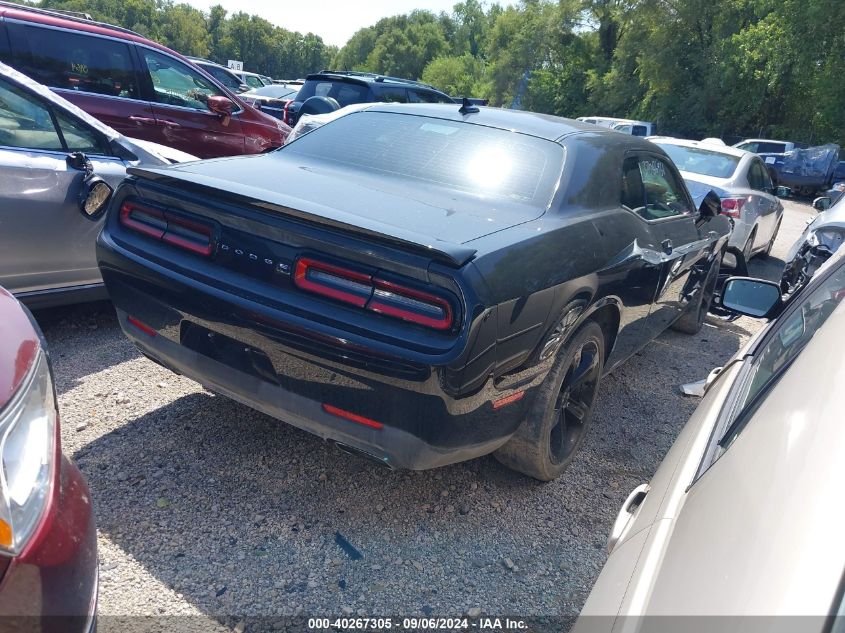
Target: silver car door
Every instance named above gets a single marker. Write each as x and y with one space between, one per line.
765 201
45 242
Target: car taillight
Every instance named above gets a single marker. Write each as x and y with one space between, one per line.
374 294
171 228
333 281
411 305
143 219
732 207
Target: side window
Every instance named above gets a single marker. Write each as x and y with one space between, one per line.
758 177
61 59
79 137
749 147
754 180
633 193
253 82
783 346
639 130
231 82
651 189
393 95
424 96
176 84
771 148
25 122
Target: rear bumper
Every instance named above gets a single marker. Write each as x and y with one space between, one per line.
52 586
277 363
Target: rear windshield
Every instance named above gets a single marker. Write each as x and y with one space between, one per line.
449 154
701 161
346 93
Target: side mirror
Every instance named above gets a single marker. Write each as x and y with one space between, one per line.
220 105
94 197
757 298
822 204
95 193
783 192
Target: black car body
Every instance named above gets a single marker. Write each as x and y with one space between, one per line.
384 282
348 87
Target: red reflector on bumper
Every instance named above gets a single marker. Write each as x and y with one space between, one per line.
352 417
146 329
503 402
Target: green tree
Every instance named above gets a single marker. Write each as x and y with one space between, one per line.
458 76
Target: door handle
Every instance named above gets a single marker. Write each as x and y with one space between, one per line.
142 120
667 246
169 124
626 515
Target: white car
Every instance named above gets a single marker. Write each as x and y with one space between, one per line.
823 237
765 146
745 515
626 126
742 182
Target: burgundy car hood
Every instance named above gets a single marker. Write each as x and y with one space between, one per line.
18 346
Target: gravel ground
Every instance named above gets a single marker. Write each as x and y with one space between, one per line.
210 509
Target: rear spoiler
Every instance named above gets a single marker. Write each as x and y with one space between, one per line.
446 252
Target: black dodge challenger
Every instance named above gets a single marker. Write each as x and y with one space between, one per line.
419 284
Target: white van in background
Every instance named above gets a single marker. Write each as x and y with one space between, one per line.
626 126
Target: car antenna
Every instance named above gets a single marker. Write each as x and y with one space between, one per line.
468 107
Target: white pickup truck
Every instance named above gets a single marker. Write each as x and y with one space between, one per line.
626 126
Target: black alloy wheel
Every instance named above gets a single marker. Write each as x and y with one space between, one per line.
574 401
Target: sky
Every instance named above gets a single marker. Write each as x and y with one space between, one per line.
333 20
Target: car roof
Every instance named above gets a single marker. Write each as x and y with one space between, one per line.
369 78
544 126
718 149
761 140
75 22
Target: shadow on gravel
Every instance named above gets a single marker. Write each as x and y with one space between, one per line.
241 513
81 339
766 267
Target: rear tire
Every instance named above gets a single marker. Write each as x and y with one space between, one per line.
692 320
546 442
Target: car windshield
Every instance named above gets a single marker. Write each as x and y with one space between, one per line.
448 154
701 161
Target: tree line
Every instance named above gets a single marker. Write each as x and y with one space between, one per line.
217 35
726 68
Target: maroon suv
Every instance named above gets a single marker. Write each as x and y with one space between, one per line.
138 87
48 541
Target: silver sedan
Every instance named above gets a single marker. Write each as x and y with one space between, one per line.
742 182
744 516
50 152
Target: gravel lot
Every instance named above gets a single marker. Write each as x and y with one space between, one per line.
210 509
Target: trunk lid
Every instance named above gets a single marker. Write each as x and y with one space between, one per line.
396 209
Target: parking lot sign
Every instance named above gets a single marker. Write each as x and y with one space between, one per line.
236 65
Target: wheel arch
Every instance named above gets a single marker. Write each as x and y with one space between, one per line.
608 314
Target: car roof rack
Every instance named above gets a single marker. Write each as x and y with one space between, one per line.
376 77
75 16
